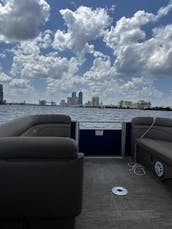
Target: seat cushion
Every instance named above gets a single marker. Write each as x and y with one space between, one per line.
25 125
38 148
159 148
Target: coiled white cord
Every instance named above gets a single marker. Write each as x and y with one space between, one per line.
135 167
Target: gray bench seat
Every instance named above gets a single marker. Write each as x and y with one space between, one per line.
153 138
158 148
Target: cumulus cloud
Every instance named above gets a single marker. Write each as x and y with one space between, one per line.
153 56
64 85
117 77
34 47
83 25
163 11
135 83
159 61
100 70
19 83
139 88
40 66
19 20
135 54
128 30
4 78
62 40
101 79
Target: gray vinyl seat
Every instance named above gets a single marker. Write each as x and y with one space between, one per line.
38 125
41 170
155 145
158 148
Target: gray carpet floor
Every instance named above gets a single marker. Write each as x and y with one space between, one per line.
147 205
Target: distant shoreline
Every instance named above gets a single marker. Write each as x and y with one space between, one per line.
156 108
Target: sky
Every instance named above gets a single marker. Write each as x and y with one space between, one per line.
114 49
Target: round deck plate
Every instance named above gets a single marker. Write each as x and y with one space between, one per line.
119 191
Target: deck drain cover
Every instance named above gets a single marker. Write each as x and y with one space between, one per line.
119 191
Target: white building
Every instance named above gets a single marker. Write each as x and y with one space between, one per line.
125 104
141 104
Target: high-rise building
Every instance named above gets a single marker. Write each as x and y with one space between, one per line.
69 101
95 101
74 98
1 94
80 98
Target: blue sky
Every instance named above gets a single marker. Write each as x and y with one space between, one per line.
112 49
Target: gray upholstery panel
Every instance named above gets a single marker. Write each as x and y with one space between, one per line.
41 189
158 148
61 130
148 121
38 147
15 127
156 132
142 121
166 122
51 118
161 133
20 125
162 129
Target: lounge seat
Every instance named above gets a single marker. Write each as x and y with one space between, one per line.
41 177
153 141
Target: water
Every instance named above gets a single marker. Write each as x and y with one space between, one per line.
88 117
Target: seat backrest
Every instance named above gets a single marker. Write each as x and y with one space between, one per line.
38 125
161 129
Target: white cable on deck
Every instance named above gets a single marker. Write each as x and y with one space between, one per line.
137 168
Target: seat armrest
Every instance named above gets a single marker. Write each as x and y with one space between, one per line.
38 147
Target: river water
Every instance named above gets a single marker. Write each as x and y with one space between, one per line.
88 117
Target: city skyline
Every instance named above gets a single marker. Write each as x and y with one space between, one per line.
108 49
94 103
77 101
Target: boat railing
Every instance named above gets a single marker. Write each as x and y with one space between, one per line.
110 132
84 124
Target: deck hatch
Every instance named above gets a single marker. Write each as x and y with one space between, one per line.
119 191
